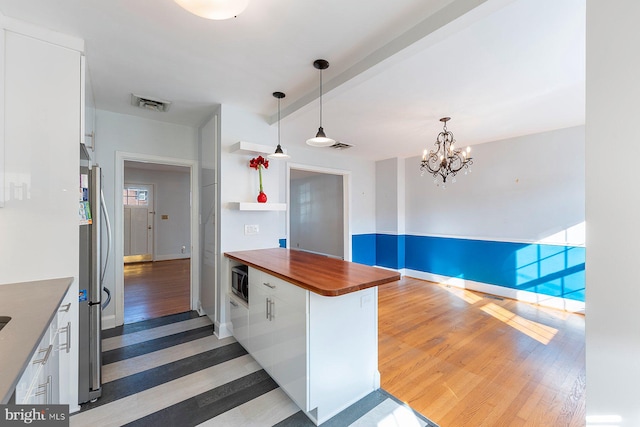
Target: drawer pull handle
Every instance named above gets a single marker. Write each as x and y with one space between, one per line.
43 361
45 390
269 285
233 303
64 308
268 307
67 345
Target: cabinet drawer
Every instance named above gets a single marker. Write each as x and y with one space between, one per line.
284 291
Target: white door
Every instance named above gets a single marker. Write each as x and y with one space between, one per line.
138 222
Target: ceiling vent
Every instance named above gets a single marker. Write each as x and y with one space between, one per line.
150 103
340 146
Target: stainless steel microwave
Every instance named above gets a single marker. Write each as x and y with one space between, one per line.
240 282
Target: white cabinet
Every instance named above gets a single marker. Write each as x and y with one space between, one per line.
240 320
68 370
278 332
39 382
322 351
46 377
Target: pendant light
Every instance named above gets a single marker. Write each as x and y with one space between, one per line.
278 154
214 9
321 139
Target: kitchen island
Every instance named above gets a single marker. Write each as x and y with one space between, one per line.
311 322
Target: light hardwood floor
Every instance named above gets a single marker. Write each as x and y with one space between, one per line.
463 358
155 289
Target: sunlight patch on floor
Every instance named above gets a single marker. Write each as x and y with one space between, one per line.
535 330
539 332
463 294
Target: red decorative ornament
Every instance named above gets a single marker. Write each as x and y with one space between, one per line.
259 163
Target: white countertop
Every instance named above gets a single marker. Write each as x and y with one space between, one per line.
31 306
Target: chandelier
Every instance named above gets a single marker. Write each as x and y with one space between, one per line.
446 159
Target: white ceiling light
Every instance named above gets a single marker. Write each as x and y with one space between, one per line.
214 9
321 140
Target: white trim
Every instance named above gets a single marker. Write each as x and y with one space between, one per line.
109 321
169 257
223 330
121 157
346 190
519 295
486 239
40 33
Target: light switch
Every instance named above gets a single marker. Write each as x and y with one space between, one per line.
251 229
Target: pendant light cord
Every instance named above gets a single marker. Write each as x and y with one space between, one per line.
320 98
278 122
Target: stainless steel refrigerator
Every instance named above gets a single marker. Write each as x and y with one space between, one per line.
95 232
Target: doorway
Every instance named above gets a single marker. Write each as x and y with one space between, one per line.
318 212
165 278
156 247
139 227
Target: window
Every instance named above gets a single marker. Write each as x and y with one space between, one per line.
135 197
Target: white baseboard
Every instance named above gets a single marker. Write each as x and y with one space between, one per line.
109 322
519 295
171 256
223 330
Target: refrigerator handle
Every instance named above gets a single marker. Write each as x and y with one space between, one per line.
106 260
106 303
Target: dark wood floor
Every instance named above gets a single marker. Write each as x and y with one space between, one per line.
464 358
460 358
155 289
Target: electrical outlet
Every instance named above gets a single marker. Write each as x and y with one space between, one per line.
251 229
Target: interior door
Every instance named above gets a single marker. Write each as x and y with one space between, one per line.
138 222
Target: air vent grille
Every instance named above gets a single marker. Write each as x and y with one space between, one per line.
150 103
340 146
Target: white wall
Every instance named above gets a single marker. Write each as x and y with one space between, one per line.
209 238
362 203
613 209
520 189
122 133
390 196
317 219
238 182
172 190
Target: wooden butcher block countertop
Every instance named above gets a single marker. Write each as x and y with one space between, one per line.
320 274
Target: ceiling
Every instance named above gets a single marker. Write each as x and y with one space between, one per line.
504 68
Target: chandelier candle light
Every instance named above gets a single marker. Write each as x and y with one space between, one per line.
446 159
258 163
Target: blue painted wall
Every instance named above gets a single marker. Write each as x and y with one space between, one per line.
545 269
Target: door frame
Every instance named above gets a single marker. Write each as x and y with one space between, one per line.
118 228
346 194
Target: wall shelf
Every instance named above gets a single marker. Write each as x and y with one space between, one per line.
244 147
249 206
